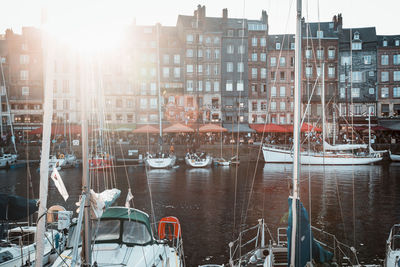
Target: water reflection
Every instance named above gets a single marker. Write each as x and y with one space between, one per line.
358 204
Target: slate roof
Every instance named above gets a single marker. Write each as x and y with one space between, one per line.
284 39
390 39
313 27
367 35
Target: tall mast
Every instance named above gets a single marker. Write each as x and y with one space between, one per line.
85 164
44 162
296 133
323 107
158 82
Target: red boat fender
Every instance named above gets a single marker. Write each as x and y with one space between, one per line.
170 223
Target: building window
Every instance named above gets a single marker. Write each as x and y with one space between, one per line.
216 53
263 41
278 46
208 86
292 46
357 76
273 91
240 67
208 53
308 53
282 91
282 76
25 90
397 42
230 33
229 66
367 60
396 92
396 76
254 57
200 68
199 86
273 61
200 52
396 59
384 43
356 46
254 106
189 85
384 59
263 57
216 86
342 92
371 91
282 106
241 49
189 53
189 38
177 59
24 75
254 41
216 40
24 59
165 72
177 72
229 85
384 76
239 85
189 68
320 34
355 92
273 105
282 61
345 60
143 103
320 53
153 88
241 33
216 70
331 72
384 92
308 71
254 73
263 73
230 49
331 53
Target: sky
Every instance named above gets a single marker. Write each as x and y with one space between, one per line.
110 16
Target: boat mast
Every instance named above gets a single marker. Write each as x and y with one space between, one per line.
44 162
158 83
323 108
296 133
86 257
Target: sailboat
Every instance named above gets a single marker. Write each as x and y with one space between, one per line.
342 154
160 160
295 245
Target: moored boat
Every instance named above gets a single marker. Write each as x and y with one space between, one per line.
198 161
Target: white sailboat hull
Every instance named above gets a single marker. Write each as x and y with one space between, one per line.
201 163
276 155
394 157
114 254
8 160
160 163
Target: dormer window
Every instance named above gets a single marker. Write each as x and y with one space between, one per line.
320 34
356 36
397 42
356 46
278 46
384 43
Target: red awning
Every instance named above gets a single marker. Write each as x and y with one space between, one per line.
178 128
268 128
304 128
146 129
212 128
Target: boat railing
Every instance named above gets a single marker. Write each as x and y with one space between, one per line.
283 147
248 241
343 254
282 236
393 241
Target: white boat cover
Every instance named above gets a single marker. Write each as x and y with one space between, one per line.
344 146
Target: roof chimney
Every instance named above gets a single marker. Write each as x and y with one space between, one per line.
203 11
225 13
340 22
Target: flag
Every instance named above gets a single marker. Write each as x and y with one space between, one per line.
129 197
55 176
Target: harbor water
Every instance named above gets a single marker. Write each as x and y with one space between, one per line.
358 204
